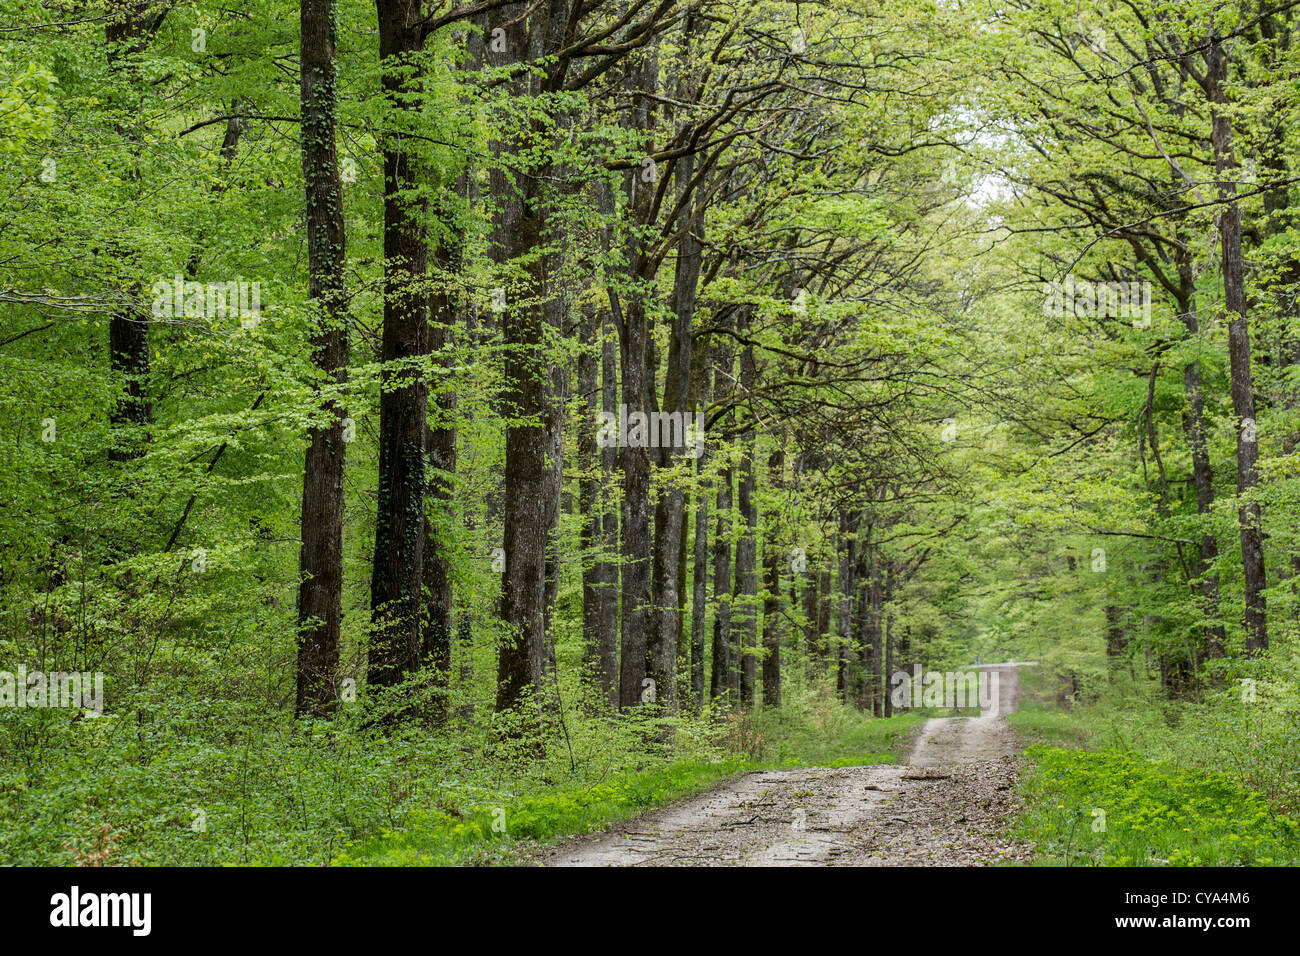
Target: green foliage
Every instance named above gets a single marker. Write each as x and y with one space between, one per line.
1120 809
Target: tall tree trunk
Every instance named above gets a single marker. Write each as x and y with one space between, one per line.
608 613
700 573
320 560
598 377
1202 472
889 640
397 579
824 618
724 384
846 591
637 384
810 579
747 548
720 678
1243 396
532 466
1116 642
128 32
669 560
862 620
440 451
875 634
590 495
447 308
772 600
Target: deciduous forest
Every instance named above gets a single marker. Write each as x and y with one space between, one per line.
434 430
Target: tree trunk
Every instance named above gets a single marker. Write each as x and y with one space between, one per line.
590 498
1202 472
812 643
772 600
847 590
320 559
440 451
634 337
875 633
531 493
397 579
669 559
700 574
720 677
128 31
1243 396
608 612
889 641
746 634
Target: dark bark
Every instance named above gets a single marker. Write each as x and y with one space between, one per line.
1202 472
862 620
320 560
746 628
845 548
669 559
592 491
700 574
448 308
724 384
608 611
823 619
440 450
889 641
128 349
1243 396
772 601
637 384
720 678
531 499
809 581
397 577
127 33
873 655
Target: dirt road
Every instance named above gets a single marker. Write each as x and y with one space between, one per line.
945 807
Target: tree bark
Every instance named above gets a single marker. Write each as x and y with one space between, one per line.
772 600
1243 397
634 338
532 441
320 560
128 31
1202 472
846 591
397 579
889 641
700 573
669 560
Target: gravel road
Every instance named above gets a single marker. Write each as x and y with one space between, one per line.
945 807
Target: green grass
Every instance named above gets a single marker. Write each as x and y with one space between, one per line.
1039 724
488 835
1119 809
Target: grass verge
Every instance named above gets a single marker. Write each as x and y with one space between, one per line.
1120 809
